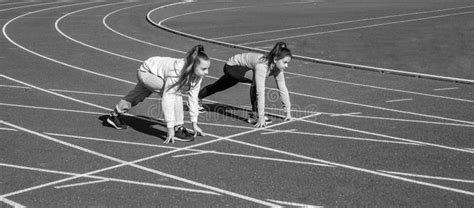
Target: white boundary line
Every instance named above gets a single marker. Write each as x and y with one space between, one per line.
193 153
304 95
399 100
112 179
221 60
360 27
343 64
391 137
447 88
291 153
13 86
352 138
291 73
228 138
122 163
354 168
294 204
7 129
429 177
13 3
338 23
82 184
11 203
26 6
53 109
269 131
192 150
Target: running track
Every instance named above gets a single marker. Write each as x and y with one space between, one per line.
361 138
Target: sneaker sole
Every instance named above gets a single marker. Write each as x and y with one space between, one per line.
251 121
183 140
113 124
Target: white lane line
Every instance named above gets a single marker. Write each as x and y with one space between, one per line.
7 129
193 150
447 88
75 92
300 94
132 163
391 137
155 185
353 138
372 117
345 114
54 93
272 131
81 184
294 204
13 86
53 109
411 121
355 168
50 59
429 177
102 113
13 3
194 153
11 203
357 28
335 100
399 100
95 93
338 23
26 6
235 135
303 57
301 75
124 163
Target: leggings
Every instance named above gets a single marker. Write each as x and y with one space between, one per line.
147 84
232 76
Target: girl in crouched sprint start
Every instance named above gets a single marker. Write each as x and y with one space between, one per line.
171 78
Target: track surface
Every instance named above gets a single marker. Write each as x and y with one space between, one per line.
361 138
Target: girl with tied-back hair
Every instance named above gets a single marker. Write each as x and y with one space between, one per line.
171 78
254 68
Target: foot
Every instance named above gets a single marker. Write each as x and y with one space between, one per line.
116 122
183 135
253 119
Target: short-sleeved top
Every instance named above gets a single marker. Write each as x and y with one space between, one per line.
259 68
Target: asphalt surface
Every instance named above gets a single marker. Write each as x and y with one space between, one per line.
362 139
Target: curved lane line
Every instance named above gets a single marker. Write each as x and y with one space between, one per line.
26 6
304 95
309 76
339 23
123 163
221 138
323 61
323 98
354 168
51 59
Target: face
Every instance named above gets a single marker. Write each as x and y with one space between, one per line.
202 68
282 64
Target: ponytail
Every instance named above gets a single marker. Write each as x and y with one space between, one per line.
279 51
187 77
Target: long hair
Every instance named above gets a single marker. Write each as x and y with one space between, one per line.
187 77
279 51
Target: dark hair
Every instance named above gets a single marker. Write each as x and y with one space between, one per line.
279 51
191 60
